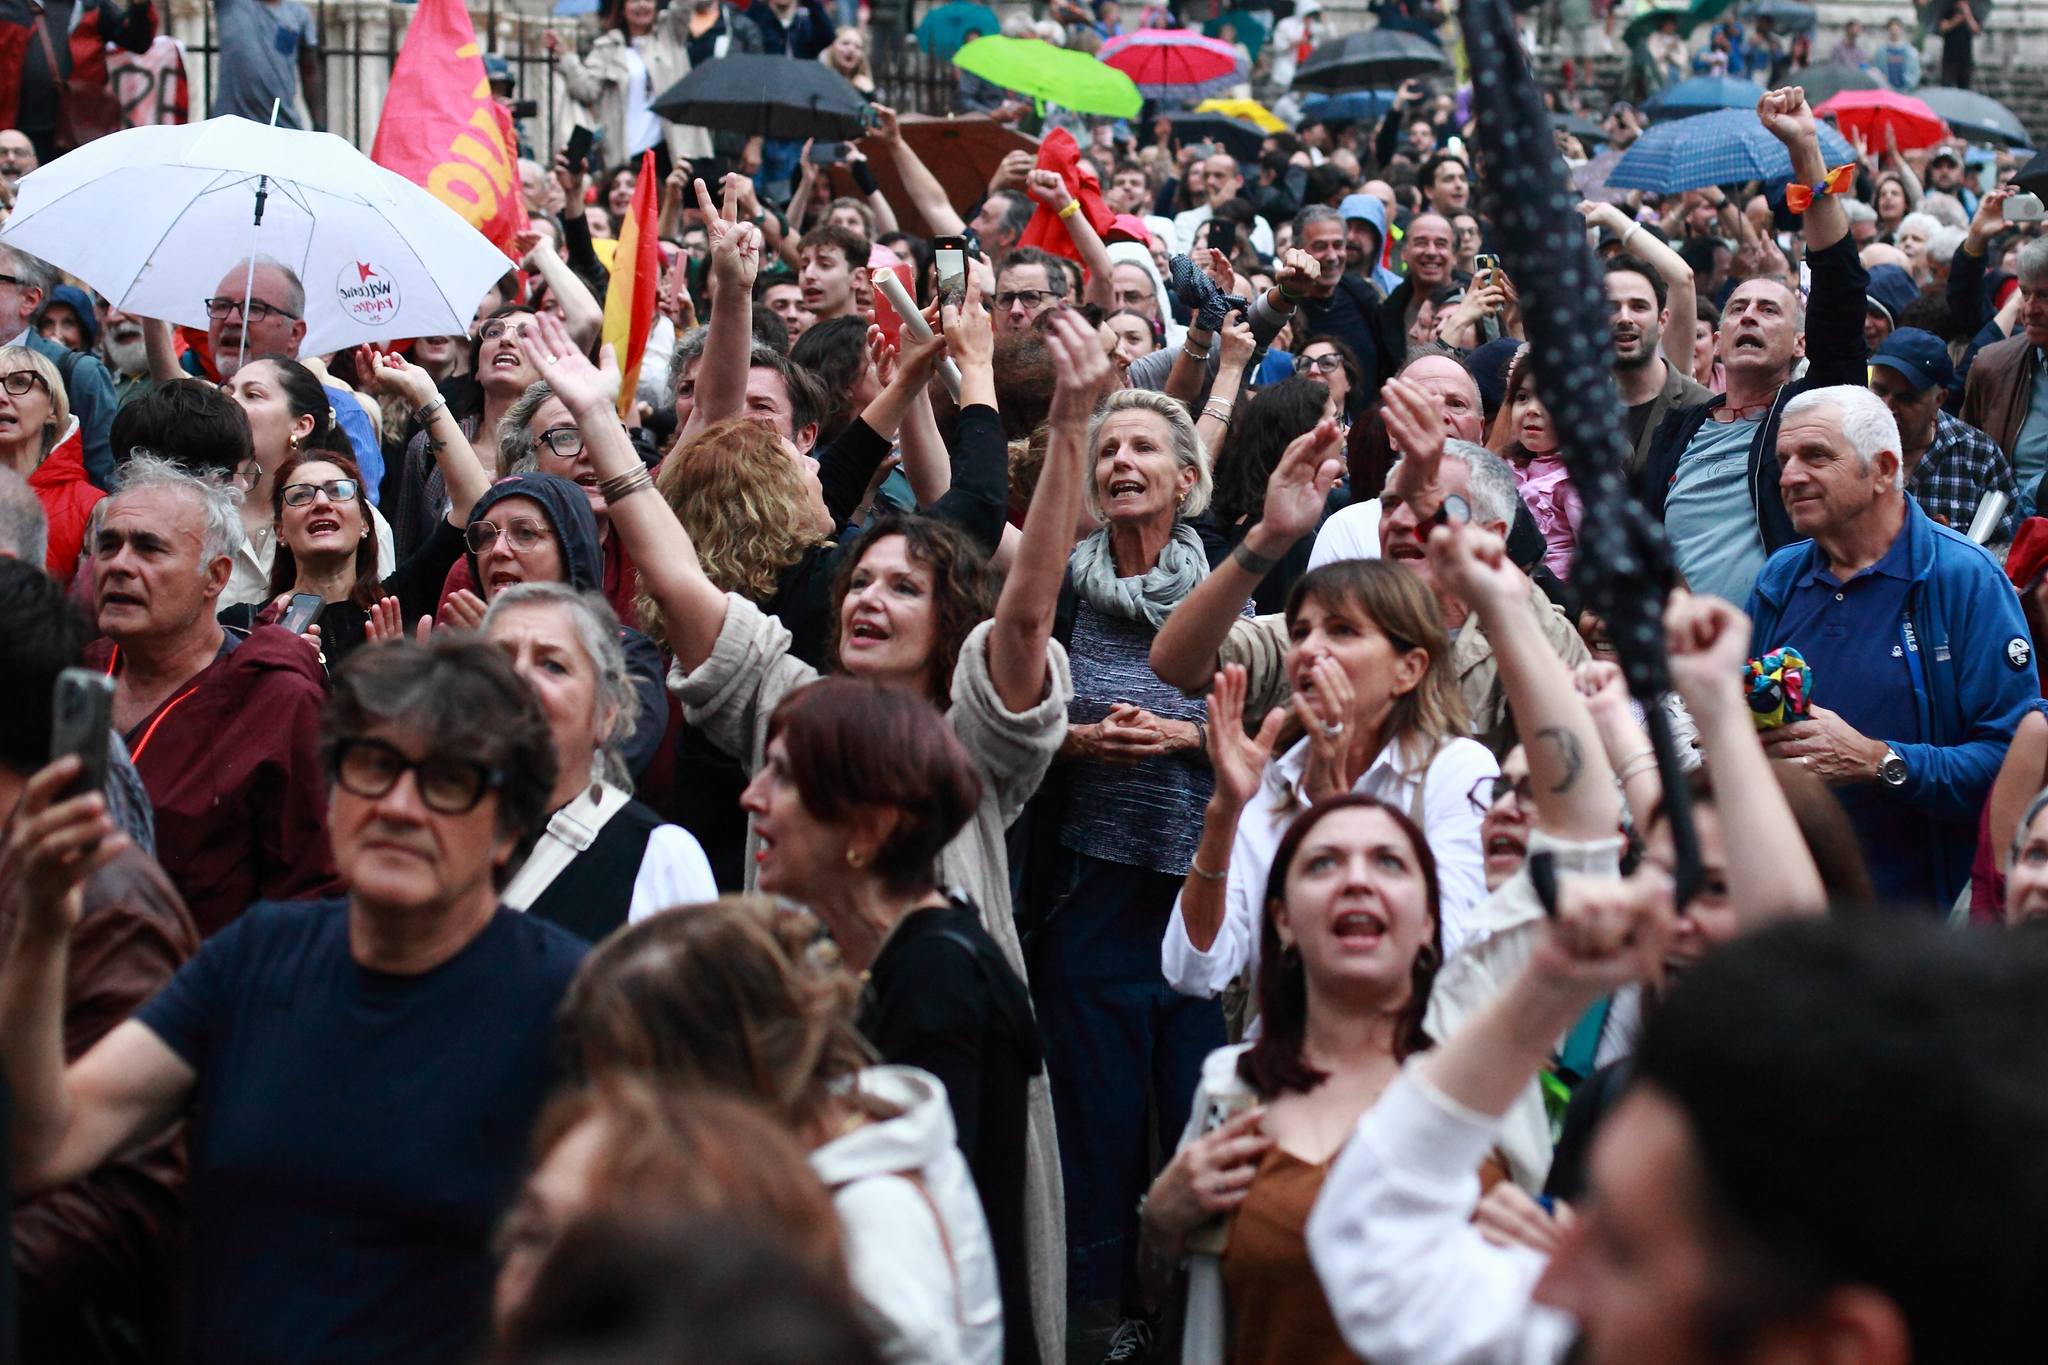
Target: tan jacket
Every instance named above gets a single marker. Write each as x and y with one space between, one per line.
598 83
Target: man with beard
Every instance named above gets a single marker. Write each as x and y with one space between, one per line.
126 353
1638 302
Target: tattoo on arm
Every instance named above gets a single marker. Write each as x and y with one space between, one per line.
1255 564
1569 758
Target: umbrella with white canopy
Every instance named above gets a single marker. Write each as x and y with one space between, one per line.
153 218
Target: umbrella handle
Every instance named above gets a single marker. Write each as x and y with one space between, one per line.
1689 875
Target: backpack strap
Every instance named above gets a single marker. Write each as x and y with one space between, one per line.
569 831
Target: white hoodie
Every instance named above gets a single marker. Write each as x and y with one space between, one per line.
917 1244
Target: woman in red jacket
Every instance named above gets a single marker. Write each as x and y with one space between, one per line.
39 440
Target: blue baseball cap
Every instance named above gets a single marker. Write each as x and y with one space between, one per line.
1918 355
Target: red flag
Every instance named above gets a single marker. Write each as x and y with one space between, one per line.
440 127
636 279
1059 152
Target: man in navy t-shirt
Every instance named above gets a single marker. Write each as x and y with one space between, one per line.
360 1075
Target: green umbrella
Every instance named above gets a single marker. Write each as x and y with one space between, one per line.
1707 11
1034 67
1644 24
1251 30
946 28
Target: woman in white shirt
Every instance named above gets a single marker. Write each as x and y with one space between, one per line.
1373 690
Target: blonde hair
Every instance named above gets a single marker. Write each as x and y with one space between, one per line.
866 70
1182 438
16 357
737 492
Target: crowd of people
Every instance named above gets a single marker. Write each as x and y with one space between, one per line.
1099 822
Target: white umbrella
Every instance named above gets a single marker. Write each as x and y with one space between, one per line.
155 217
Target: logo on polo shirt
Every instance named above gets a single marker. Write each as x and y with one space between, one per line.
2018 651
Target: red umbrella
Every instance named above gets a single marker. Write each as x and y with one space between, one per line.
1870 112
1175 64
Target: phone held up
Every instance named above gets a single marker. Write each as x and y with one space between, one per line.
81 721
949 258
299 613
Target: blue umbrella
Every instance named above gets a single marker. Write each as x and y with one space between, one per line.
1789 15
1699 94
1358 106
1726 147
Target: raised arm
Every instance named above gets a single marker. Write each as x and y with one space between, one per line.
68 1120
1212 423
580 308
920 186
1681 298
729 343
162 350
1050 189
692 608
1789 118
1568 772
461 470
1024 612
1184 651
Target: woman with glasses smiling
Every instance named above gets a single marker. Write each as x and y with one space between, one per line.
40 440
326 543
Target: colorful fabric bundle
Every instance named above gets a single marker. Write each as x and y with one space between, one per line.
1779 687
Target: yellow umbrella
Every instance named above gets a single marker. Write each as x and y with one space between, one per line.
1249 110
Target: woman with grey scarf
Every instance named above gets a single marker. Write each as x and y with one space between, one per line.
1115 827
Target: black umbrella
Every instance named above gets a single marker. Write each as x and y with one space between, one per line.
767 97
1624 568
2033 177
1974 117
1789 15
1238 137
1579 126
1829 79
1378 57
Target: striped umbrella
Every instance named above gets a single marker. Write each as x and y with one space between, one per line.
1727 147
1175 64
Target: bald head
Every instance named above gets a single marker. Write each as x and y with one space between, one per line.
1429 249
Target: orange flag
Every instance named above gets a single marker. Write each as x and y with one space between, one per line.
636 276
440 127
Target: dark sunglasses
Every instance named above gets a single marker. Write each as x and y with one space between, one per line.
370 768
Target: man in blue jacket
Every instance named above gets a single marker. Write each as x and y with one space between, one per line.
1921 662
1712 471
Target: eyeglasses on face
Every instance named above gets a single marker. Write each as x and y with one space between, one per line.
258 309
337 490
19 382
370 768
1323 364
1030 298
1487 791
566 442
498 327
524 535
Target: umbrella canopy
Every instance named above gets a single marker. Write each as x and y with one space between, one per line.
1591 179
155 217
1707 11
1034 67
1702 94
1579 126
1648 22
762 96
963 153
1872 112
1249 27
1236 136
2033 178
1251 111
1357 106
946 28
1175 63
1975 117
1727 147
1377 57
1789 15
1822 83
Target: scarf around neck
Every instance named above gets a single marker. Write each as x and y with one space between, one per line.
1148 597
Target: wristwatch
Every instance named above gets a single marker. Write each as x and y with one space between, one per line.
1892 769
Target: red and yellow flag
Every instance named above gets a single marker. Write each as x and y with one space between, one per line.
440 127
636 277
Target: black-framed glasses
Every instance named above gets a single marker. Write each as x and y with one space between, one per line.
370 768
1487 791
1325 364
566 442
337 490
17 281
19 382
258 309
498 327
524 535
1030 298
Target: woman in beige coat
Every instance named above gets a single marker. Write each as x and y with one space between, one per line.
641 53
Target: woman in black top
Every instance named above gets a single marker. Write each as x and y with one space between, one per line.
324 541
862 785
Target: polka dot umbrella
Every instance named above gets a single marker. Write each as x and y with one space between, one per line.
1624 568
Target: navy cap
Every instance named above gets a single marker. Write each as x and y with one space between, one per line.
1919 356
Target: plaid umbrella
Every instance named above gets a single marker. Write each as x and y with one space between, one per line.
1624 568
1727 147
1358 106
1175 64
1700 95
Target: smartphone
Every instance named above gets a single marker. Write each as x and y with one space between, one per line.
81 719
299 613
827 153
524 109
1222 235
580 141
1483 266
949 255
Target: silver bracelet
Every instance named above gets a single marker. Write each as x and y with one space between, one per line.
1188 349
1219 409
423 415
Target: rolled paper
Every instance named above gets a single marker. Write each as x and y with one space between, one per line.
891 286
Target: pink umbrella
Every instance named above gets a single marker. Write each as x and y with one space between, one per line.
1175 64
1870 112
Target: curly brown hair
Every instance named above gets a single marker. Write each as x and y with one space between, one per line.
963 589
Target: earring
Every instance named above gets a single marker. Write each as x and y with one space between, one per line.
855 858
292 441
1290 954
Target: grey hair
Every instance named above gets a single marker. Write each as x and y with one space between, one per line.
1942 245
219 501
2033 262
1856 211
2019 832
1862 417
24 529
1493 481
689 347
1926 224
1315 213
35 272
294 291
597 631
1944 208
1185 442
518 448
